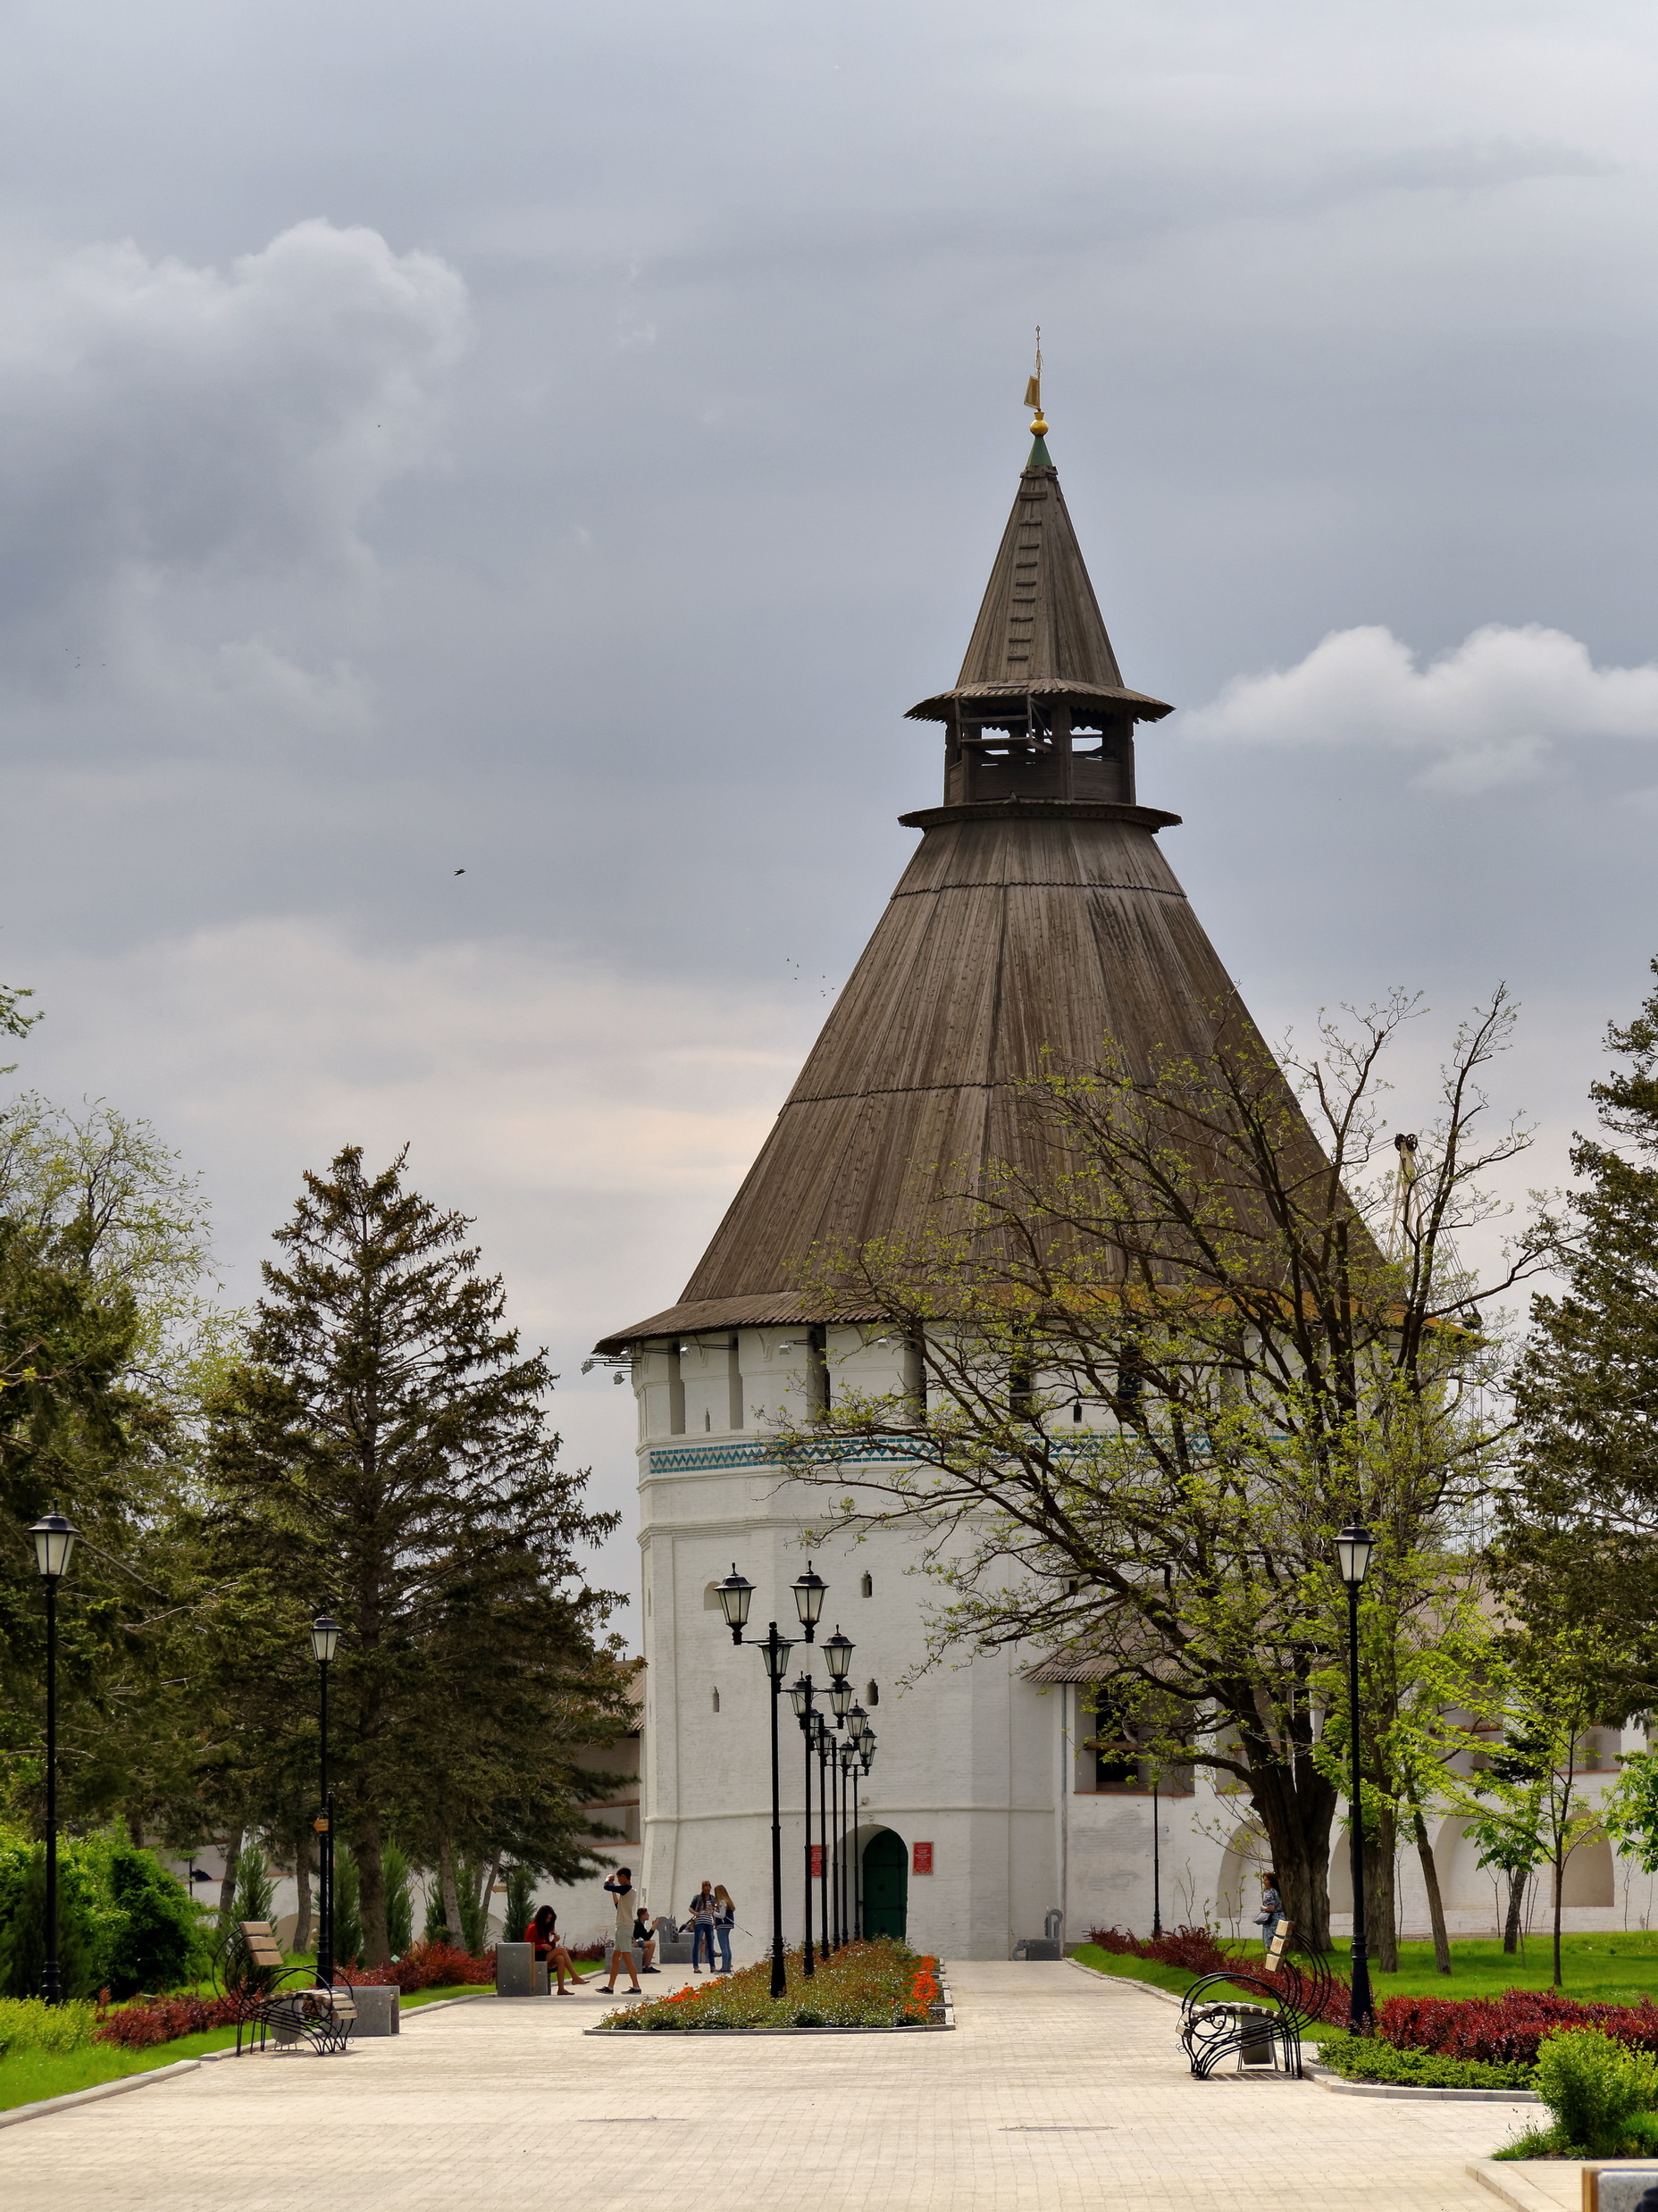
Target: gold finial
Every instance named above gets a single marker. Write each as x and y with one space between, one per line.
1033 391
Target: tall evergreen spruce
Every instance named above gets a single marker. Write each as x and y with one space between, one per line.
1582 1521
385 1450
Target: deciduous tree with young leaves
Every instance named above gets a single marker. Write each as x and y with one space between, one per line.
1270 1335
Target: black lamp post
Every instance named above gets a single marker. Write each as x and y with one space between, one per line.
820 1745
849 1761
55 1541
865 1760
736 1596
1353 1547
1156 1864
325 1634
800 1695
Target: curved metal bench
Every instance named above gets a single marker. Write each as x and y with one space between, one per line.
317 2016
1259 2020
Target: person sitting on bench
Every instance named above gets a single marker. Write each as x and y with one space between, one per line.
543 1933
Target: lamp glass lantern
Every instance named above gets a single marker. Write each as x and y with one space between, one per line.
847 1757
325 1634
1353 1547
810 1590
857 1719
840 1697
801 1696
867 1738
54 1542
736 1596
775 1652
838 1651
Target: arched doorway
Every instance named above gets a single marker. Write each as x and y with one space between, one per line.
886 1884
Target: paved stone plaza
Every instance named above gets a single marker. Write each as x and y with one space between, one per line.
1059 2089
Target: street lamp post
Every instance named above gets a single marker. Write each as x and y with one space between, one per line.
736 1596
820 1745
1353 1547
54 1542
865 1760
849 1760
1157 1865
801 1694
325 1634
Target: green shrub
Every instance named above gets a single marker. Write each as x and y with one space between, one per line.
155 1938
1593 2087
27 2024
23 1924
1365 2059
400 1901
347 1906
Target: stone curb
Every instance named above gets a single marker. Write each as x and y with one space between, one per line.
46 2105
1124 1981
1503 2179
1328 2079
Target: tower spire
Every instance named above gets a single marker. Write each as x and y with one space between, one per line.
1040 709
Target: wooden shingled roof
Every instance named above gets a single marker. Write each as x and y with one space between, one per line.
1040 631
1023 927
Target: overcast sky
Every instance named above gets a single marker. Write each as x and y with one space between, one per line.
559 442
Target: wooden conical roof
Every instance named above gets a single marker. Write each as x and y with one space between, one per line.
1023 927
1040 631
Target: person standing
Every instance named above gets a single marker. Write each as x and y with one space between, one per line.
625 1897
1271 1909
724 1921
703 1914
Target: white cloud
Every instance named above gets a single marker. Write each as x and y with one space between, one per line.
1483 714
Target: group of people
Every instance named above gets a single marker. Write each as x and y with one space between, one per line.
634 1945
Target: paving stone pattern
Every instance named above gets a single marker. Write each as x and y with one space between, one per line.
1060 2091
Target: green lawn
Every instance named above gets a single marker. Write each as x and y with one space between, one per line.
1603 1969
27 2077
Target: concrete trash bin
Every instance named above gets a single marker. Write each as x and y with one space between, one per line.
514 1969
379 2011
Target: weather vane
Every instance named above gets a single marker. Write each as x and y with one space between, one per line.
1033 391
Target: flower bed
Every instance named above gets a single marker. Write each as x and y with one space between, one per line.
878 1984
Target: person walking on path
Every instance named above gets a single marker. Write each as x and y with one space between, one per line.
1271 1909
620 1887
724 1921
703 1915
550 1950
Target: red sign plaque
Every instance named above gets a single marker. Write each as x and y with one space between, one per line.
817 1860
924 1858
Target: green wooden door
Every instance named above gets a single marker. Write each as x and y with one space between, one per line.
886 1885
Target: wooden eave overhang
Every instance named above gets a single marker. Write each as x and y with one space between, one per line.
1114 699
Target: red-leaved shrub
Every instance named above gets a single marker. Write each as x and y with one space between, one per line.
1507 2029
1196 1950
1192 1949
425 1966
139 2027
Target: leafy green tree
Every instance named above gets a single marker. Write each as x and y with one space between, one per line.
384 1449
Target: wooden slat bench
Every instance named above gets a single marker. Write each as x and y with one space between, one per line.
317 2015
